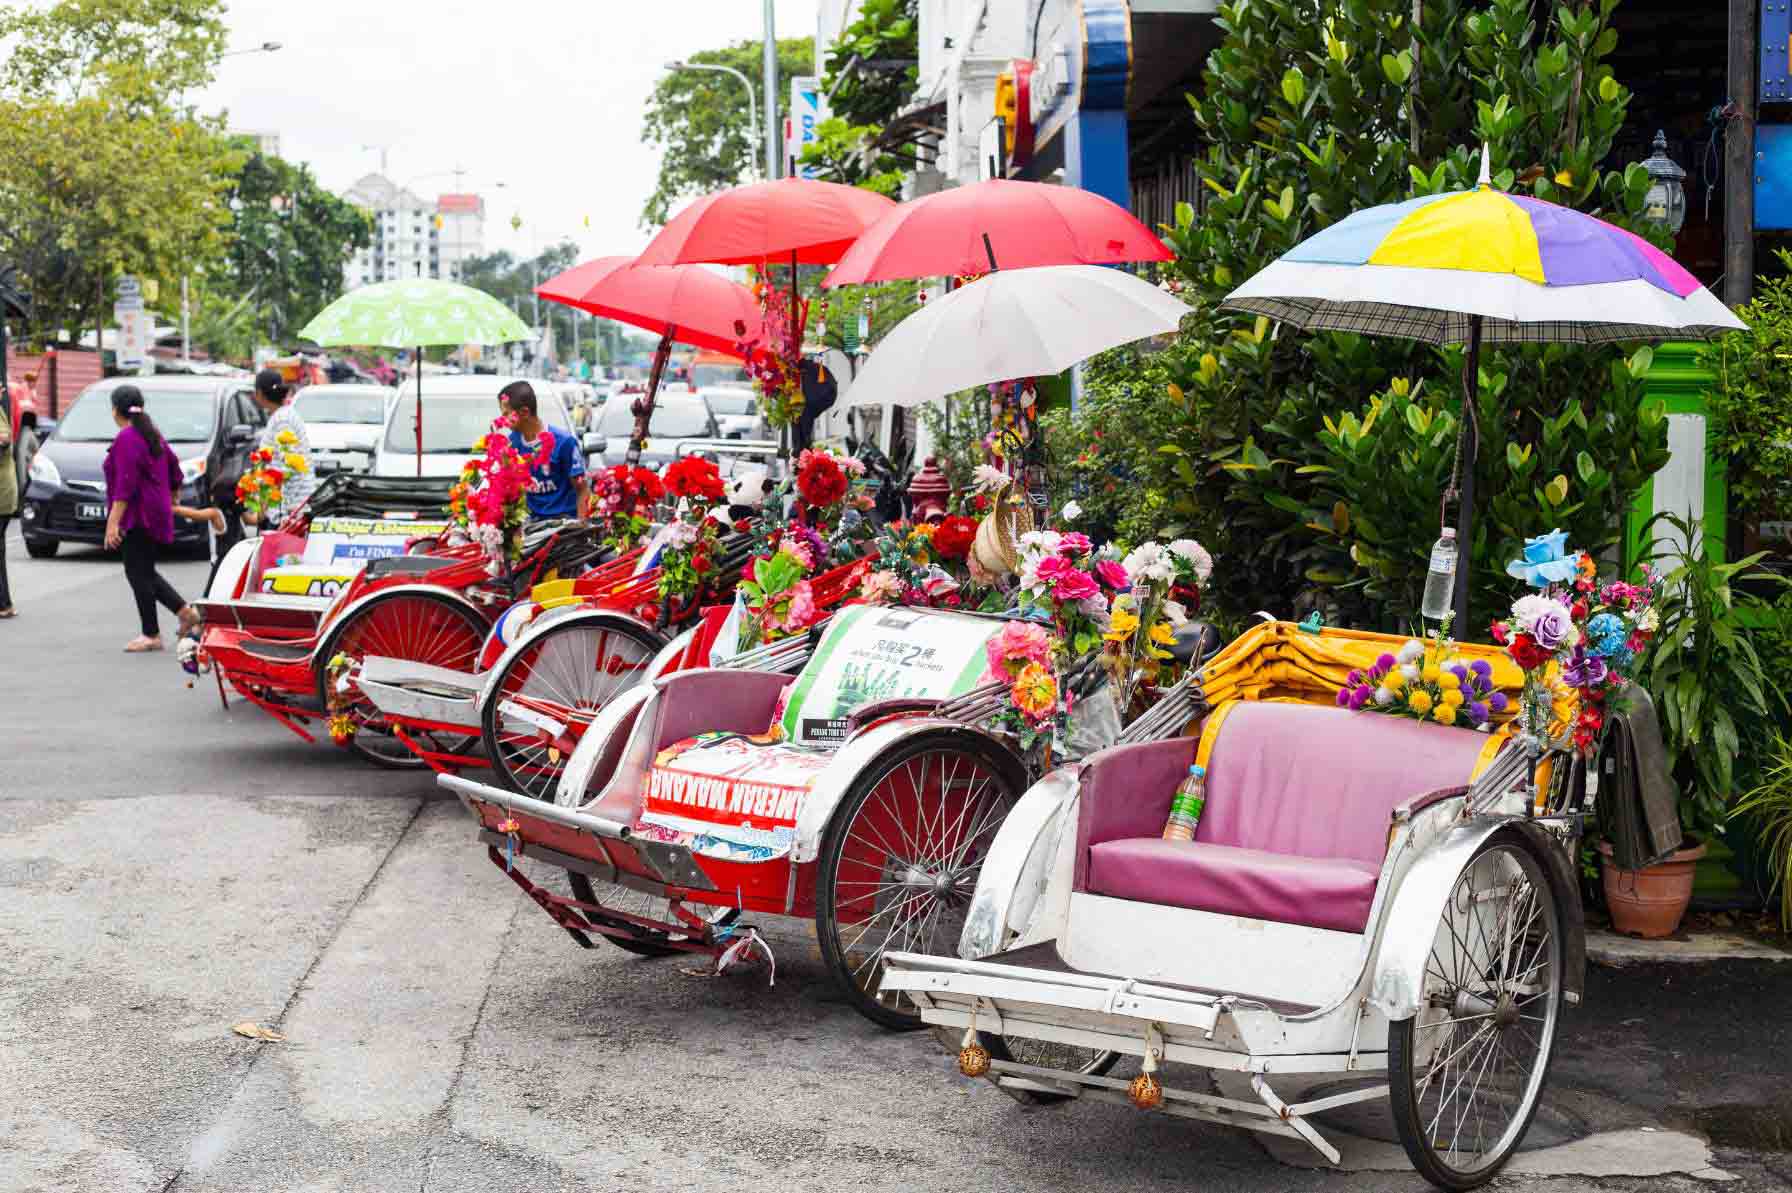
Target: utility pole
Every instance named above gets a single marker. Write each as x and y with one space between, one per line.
1739 155
773 156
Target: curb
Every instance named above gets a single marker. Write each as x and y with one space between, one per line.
1605 947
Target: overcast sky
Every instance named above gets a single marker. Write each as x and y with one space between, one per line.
545 96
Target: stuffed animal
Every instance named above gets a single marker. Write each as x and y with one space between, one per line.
746 491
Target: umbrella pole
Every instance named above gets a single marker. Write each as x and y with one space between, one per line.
1471 444
644 410
787 436
419 419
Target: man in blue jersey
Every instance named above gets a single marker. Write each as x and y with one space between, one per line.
557 487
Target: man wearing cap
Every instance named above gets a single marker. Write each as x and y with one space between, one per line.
557 487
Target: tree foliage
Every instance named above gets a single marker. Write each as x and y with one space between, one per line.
290 239
882 47
103 170
839 153
1315 463
512 281
699 119
1751 405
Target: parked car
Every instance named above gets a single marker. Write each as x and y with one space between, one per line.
456 411
736 409
210 422
676 417
343 423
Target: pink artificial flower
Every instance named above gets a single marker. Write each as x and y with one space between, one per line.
1077 585
1015 645
881 587
1110 573
1074 543
802 607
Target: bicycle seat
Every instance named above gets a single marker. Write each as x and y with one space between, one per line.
405 565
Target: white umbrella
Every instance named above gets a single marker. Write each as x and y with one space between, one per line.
1010 324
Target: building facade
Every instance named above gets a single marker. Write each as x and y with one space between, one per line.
413 237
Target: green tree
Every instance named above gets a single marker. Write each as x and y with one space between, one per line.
289 240
841 152
103 169
1314 463
512 281
872 67
699 120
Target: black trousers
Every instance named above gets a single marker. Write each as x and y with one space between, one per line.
5 592
147 585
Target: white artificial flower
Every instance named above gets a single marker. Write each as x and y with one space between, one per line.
1040 542
1095 608
987 478
681 534
1175 614
1195 555
1071 511
1410 671
1526 609
1412 652
1149 561
1649 621
1383 696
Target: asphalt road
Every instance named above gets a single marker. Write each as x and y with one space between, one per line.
169 868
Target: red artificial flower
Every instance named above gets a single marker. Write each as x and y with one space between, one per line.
820 481
694 477
1526 653
1500 633
701 564
954 537
1579 611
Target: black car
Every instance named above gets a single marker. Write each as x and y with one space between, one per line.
210 422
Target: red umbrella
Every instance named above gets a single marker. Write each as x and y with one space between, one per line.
1018 225
688 303
791 219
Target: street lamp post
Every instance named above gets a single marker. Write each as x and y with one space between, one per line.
752 99
773 157
266 47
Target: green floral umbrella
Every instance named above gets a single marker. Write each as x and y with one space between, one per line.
414 314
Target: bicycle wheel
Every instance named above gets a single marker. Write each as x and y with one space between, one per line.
1466 1073
420 626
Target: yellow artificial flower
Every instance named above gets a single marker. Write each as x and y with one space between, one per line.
1124 623
1445 714
1394 680
1564 178
1162 633
1432 673
297 462
1419 701
1452 697
285 437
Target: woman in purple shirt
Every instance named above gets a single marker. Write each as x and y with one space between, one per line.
142 477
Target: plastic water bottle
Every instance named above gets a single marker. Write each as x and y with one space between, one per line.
1186 805
1440 578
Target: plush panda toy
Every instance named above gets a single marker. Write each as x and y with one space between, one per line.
747 490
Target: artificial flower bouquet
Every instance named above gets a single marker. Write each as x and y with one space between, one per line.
261 487
489 500
1427 682
1022 656
1576 633
774 360
688 556
776 595
920 564
622 502
826 502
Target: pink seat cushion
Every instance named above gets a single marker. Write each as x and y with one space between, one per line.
1318 892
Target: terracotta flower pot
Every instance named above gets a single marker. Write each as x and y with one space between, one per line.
1649 902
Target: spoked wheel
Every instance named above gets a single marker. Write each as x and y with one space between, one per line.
900 859
1466 1073
647 942
1069 1058
564 674
419 626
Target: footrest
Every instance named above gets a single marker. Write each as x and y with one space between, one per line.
422 692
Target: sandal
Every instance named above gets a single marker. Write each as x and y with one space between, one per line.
8 612
143 644
188 622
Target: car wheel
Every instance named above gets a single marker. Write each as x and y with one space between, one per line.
42 548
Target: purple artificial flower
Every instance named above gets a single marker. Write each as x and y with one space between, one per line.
1477 713
1359 698
1384 663
1468 693
1584 670
1497 702
1355 677
1459 671
1481 667
1551 626
1343 697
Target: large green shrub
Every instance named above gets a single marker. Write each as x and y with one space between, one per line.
1751 404
1314 464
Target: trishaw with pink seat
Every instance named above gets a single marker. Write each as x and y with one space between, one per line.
1387 904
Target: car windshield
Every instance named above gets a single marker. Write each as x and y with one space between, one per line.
730 403
671 420
368 409
449 425
183 416
702 375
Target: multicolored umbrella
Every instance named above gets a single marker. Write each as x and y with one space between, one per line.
1482 266
419 313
